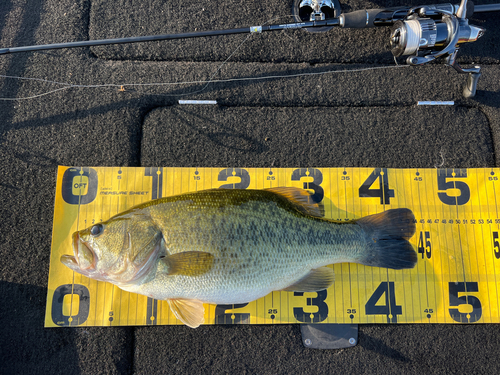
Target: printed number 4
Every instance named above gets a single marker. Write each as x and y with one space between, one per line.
383 192
390 308
424 247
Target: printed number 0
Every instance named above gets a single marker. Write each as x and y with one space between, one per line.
77 317
79 185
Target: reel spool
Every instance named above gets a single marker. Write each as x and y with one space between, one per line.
316 10
422 36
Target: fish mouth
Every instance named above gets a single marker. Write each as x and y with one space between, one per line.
70 261
83 260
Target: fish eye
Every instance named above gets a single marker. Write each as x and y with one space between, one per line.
96 230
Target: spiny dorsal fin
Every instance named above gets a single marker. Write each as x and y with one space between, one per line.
301 198
189 311
189 263
316 280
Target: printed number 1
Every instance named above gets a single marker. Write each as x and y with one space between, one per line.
157 182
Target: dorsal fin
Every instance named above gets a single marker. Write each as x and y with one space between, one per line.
301 198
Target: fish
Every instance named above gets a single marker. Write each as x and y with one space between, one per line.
231 246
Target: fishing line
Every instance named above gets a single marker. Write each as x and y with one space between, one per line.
110 85
69 85
206 82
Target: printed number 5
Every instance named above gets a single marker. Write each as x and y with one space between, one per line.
443 184
455 301
496 245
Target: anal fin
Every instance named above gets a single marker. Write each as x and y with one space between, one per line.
189 311
316 280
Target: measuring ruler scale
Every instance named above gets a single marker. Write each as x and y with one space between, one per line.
456 279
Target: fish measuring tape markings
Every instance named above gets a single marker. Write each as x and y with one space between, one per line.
240 245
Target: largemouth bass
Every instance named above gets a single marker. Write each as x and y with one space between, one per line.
234 246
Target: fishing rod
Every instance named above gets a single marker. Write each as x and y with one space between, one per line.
423 33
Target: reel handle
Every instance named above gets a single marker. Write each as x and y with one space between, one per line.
471 85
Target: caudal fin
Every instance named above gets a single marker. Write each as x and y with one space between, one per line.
387 235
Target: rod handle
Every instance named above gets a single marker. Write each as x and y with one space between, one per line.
359 19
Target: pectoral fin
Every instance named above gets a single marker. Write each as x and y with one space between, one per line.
189 263
316 280
189 311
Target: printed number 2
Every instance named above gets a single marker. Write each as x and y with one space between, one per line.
390 308
455 301
243 174
222 316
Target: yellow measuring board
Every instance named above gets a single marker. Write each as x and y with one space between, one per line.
456 279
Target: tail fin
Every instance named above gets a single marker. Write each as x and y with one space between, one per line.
387 235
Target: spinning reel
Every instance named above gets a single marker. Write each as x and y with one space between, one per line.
424 33
430 32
